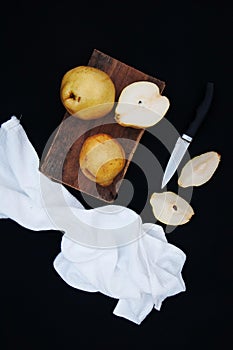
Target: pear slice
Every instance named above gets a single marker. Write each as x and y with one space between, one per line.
199 170
171 209
140 105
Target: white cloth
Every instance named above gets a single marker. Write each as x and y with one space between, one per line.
141 274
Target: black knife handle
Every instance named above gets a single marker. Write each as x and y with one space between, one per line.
201 111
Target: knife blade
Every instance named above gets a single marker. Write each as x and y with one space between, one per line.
184 141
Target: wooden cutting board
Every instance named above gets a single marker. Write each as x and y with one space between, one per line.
60 159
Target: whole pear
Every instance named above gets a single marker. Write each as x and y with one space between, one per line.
101 158
87 92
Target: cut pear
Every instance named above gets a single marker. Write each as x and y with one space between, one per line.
199 170
140 105
171 209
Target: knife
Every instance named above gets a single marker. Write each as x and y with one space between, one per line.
184 141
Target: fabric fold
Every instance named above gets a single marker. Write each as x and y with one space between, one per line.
140 274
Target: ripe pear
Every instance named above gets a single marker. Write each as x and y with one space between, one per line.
101 158
87 92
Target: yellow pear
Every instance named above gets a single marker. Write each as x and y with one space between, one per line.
87 92
101 158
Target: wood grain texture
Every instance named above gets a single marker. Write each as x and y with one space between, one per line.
60 161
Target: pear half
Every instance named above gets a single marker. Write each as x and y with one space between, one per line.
171 209
140 105
199 170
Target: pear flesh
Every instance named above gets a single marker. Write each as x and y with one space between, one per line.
171 209
199 170
140 105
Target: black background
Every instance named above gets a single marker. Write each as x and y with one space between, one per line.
185 44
